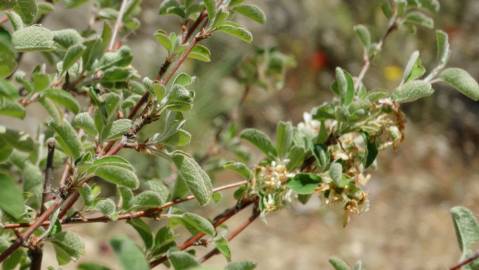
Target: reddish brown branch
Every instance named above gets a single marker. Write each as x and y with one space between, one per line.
136 214
217 221
465 262
234 233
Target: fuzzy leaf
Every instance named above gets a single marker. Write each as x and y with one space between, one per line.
461 81
63 98
27 9
284 138
67 138
181 260
442 41
11 108
73 54
33 38
241 266
363 34
195 178
338 264
146 199
11 197
118 175
68 246
240 168
260 140
85 121
251 11
198 223
129 255
236 31
304 183
412 91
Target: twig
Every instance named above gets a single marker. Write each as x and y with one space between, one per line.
465 262
136 214
31 229
234 233
118 24
392 25
36 253
217 221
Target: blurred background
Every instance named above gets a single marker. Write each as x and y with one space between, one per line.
408 225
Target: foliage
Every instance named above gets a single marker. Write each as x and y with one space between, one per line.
99 107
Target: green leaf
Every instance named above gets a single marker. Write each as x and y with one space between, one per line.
414 68
27 9
210 8
7 89
183 79
222 246
180 99
412 91
442 41
15 20
67 138
92 266
336 172
180 138
304 183
18 139
164 40
420 19
195 178
126 195
240 266
200 53
295 157
143 230
284 138
85 121
119 128
251 11
338 264
11 108
63 98
33 38
68 246
461 81
7 4
67 38
164 239
129 254
467 231
107 207
240 168
11 197
345 86
146 199
236 31
363 34
73 54
118 175
8 60
196 223
260 140
181 260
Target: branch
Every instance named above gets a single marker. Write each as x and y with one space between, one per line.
234 233
118 24
127 216
465 262
392 25
36 252
217 221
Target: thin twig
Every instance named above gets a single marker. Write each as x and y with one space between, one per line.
136 214
217 221
392 25
465 262
118 23
36 253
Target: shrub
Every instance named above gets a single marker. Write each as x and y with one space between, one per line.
99 105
